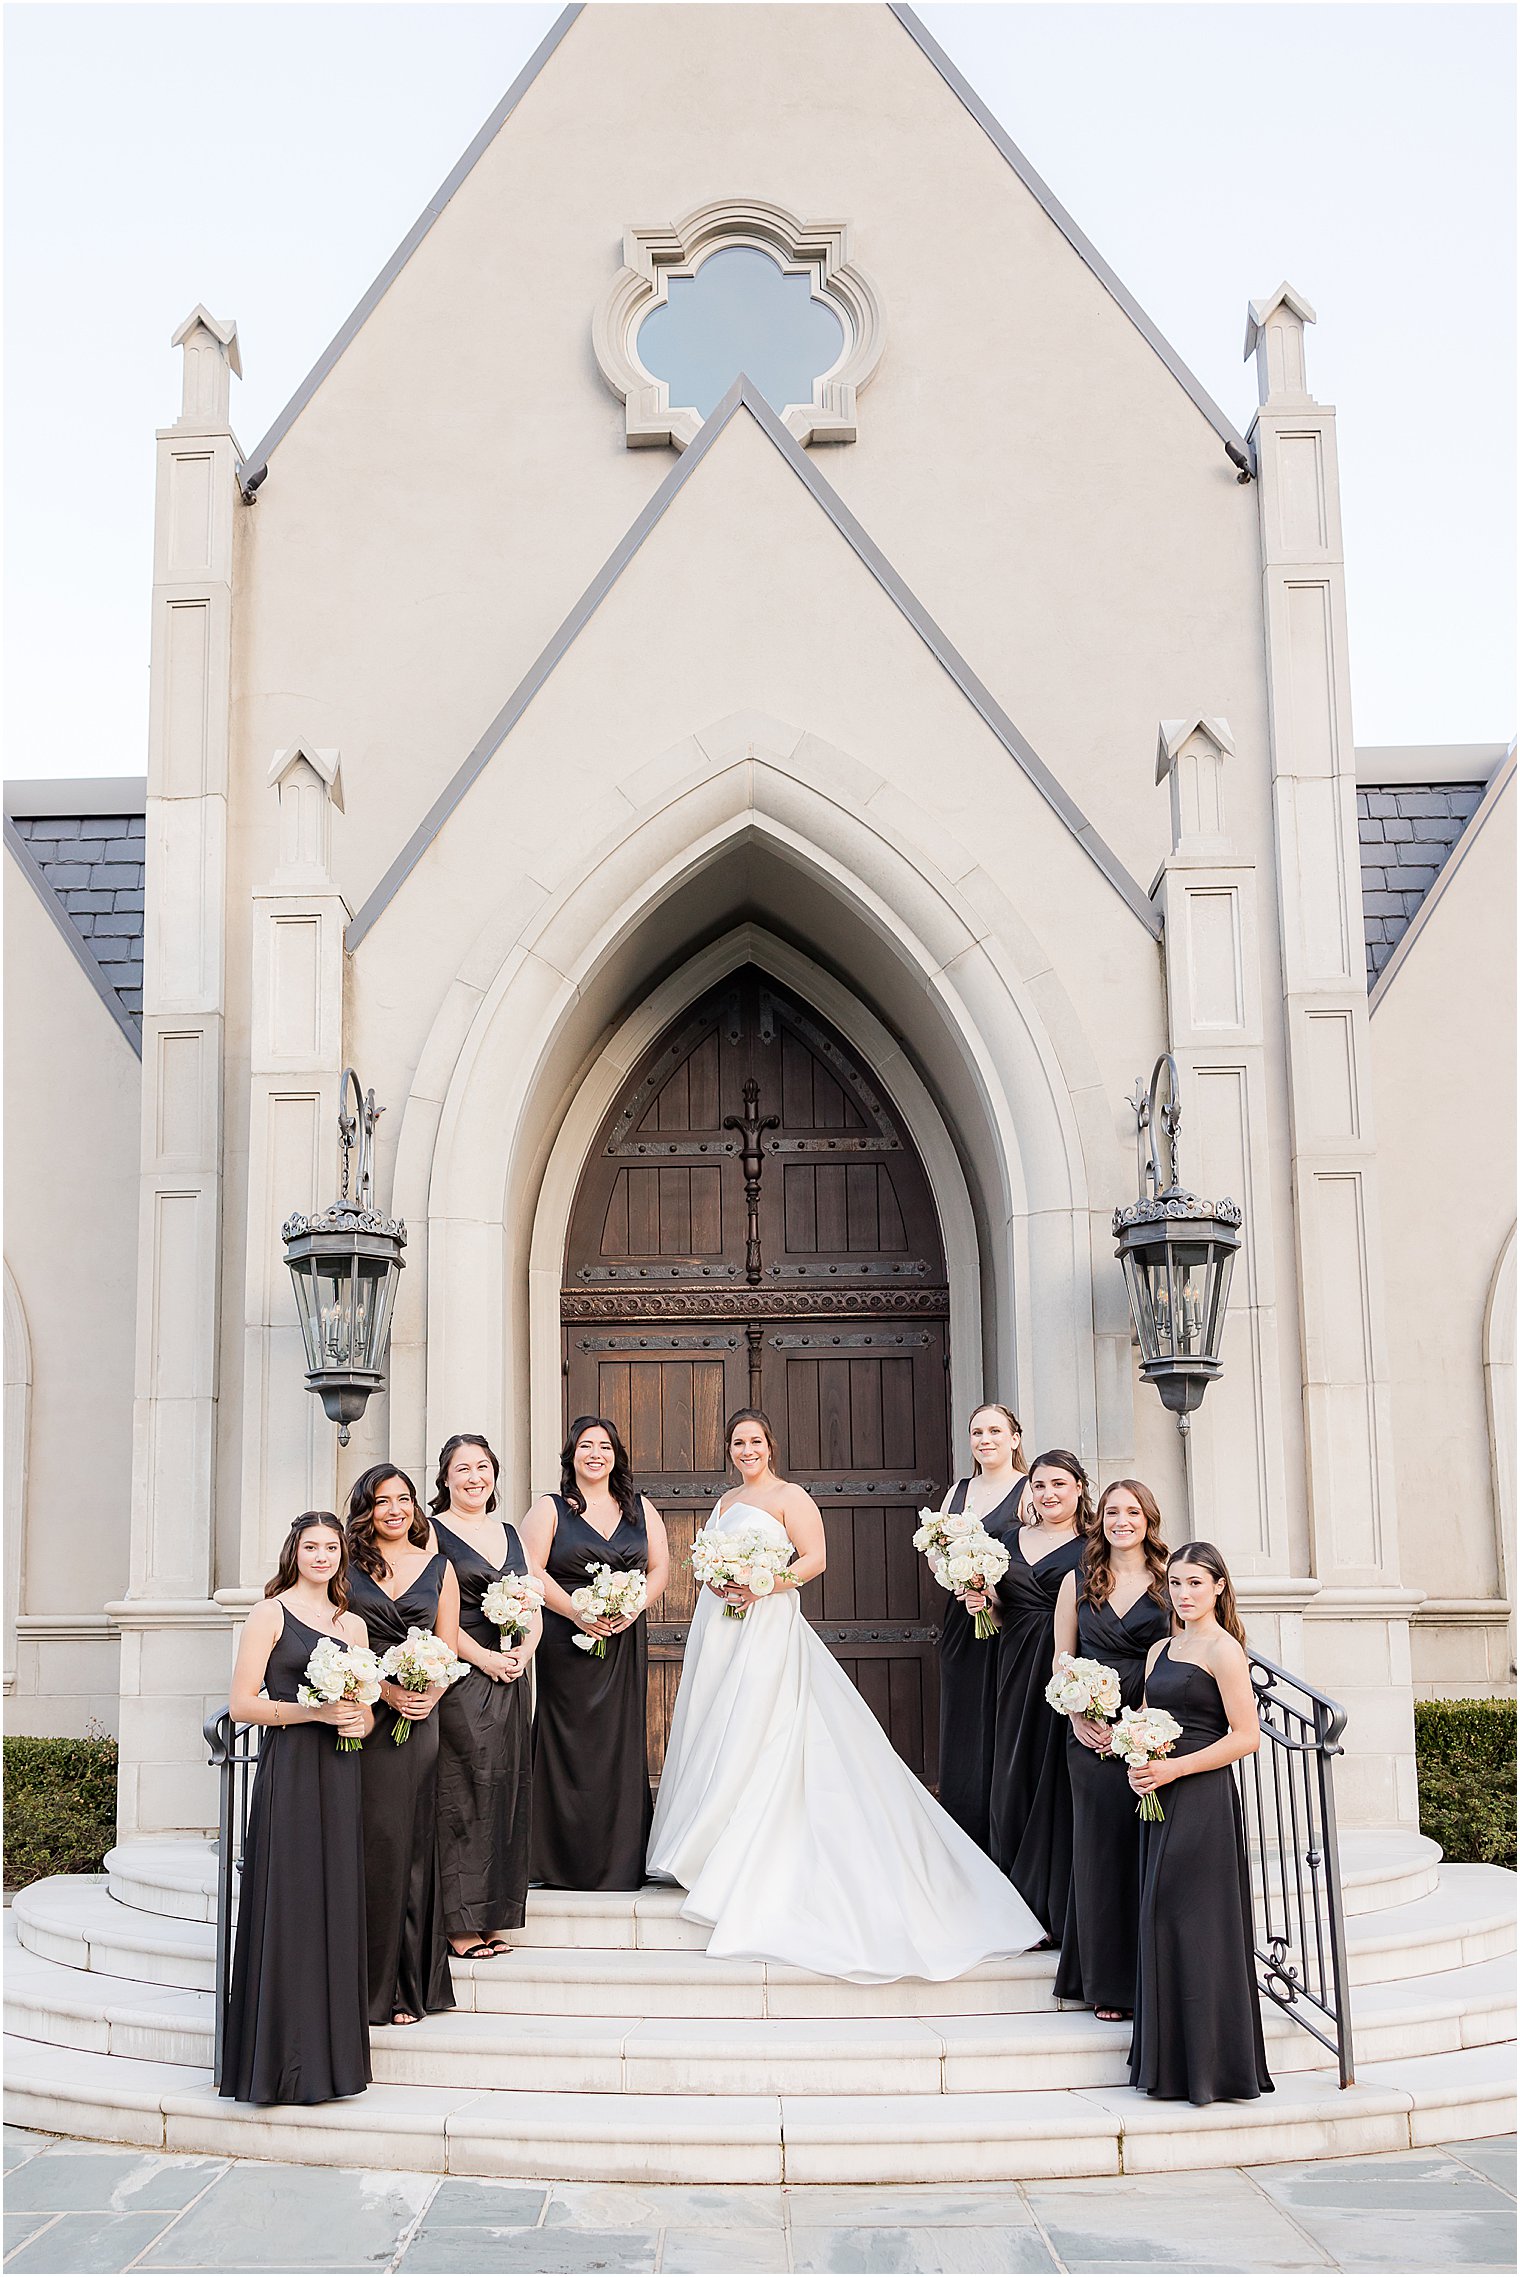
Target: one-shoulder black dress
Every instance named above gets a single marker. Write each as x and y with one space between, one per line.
968 1690
1030 1817
408 1952
1097 1963
296 2029
592 1805
485 1765
1197 2036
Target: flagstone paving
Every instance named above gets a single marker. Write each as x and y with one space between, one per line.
72 2209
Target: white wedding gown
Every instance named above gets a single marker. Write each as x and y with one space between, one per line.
796 1830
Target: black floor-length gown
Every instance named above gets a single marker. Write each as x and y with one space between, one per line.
296 2030
968 1690
592 1805
408 1952
1030 1817
1197 2036
1097 1963
485 1765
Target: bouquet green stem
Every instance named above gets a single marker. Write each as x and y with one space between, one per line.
1149 1806
734 1612
348 1746
597 1648
985 1623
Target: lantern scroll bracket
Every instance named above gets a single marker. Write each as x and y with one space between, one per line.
345 1262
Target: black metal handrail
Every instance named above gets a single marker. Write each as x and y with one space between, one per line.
234 1757
1287 1791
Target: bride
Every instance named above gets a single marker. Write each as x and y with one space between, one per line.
785 1814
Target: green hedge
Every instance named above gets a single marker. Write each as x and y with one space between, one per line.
1465 1754
60 1807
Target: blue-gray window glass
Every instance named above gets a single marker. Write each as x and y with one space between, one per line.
739 313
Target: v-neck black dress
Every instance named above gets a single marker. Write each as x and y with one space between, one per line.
1197 2035
408 1952
1097 1963
1030 1816
296 2029
592 1805
968 1690
485 1765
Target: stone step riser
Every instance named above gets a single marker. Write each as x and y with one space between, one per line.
764 2139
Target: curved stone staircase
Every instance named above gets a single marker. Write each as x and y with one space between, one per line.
610 2047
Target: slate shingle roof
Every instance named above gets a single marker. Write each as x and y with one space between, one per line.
1407 830
94 864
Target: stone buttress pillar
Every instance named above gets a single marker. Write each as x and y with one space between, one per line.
174 1639
1357 1625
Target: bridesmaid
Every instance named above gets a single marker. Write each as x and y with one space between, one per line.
1113 1610
485 1746
590 1760
967 1663
1197 2017
296 2030
397 1583
1030 1814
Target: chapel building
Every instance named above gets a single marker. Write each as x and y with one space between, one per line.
874 753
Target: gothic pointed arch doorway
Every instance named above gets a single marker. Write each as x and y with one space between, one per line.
754 1226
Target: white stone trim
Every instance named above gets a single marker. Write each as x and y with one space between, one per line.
65 1628
1499 1398
18 1422
819 250
598 1090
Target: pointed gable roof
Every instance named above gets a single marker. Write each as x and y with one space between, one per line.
81 848
743 396
254 467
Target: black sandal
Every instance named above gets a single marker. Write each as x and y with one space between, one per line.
474 1953
404 2016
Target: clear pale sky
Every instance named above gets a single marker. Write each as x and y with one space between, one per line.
1364 152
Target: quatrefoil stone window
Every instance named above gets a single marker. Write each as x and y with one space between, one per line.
738 286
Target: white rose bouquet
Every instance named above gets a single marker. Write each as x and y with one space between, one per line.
511 1604
337 1671
962 1555
1084 1688
745 1558
422 1661
608 1596
1144 1735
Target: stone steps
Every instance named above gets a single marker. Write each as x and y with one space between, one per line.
1468 1918
572 2136
1379 1868
982 2054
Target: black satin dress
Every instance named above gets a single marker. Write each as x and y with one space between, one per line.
1031 1793
296 2029
1097 1964
485 1765
408 1952
968 1690
1197 2035
592 1805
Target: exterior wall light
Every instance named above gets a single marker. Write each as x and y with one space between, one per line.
345 1262
1177 1253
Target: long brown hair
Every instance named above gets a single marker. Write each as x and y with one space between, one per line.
1062 1459
1095 1584
619 1479
446 1454
288 1573
363 1542
1226 1611
996 1407
753 1415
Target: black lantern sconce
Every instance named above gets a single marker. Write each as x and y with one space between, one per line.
345 1262
1177 1253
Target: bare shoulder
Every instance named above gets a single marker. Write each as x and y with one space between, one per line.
352 1627
796 1502
1155 1653
1226 1656
544 1512
265 1619
651 1514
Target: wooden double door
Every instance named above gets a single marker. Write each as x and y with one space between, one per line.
754 1228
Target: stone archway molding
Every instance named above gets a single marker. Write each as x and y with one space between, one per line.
546 992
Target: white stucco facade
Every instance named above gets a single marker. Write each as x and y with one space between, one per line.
483 743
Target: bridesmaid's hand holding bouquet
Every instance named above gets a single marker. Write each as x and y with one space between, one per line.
1088 1691
609 1597
1142 1736
965 1558
340 1675
510 1605
423 1665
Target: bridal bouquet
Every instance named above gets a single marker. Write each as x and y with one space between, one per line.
337 1671
1084 1688
962 1555
1143 1735
608 1596
745 1558
424 1660
511 1603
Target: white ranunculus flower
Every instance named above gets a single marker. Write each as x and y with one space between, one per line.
961 1570
961 1522
761 1580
